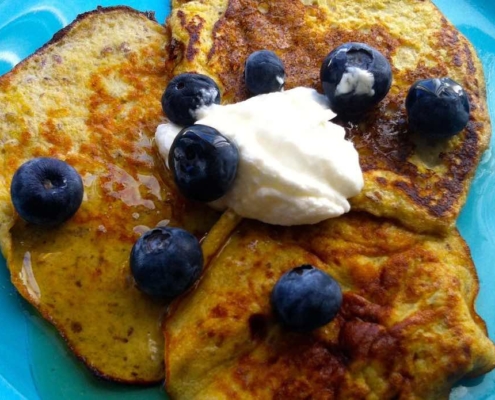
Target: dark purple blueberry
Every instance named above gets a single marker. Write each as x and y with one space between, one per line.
165 262
437 108
306 298
185 94
46 191
355 77
203 162
264 72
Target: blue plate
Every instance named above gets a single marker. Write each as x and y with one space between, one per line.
34 362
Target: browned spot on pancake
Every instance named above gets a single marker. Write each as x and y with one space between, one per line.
175 51
76 327
193 28
219 312
25 137
53 135
365 340
469 56
317 369
381 180
121 339
258 326
448 37
355 306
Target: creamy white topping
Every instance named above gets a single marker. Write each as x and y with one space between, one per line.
356 80
295 166
208 97
164 137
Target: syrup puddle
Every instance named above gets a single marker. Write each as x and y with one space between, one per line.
125 187
28 279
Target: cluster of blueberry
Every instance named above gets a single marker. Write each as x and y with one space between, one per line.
202 160
356 77
167 261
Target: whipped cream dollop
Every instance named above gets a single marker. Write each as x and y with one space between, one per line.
295 166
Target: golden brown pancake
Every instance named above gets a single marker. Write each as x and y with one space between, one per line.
92 98
407 328
421 184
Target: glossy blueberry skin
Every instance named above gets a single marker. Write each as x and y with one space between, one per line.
343 60
204 163
264 72
306 298
46 191
165 262
437 108
185 93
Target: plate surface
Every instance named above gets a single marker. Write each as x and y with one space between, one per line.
34 362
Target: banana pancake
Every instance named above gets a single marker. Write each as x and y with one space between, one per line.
407 328
422 184
92 98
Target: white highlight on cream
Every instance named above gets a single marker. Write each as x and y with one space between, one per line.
164 137
356 80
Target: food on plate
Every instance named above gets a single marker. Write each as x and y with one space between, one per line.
421 184
407 327
355 77
185 94
437 108
408 283
264 72
203 162
46 191
91 98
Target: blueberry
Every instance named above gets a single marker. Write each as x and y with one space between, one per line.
355 77
166 261
185 94
437 108
264 72
306 298
203 162
46 191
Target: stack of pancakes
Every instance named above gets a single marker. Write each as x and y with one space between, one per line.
407 328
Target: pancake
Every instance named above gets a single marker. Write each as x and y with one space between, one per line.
92 98
407 328
419 183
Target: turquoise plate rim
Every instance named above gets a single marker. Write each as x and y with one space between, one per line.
62 377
